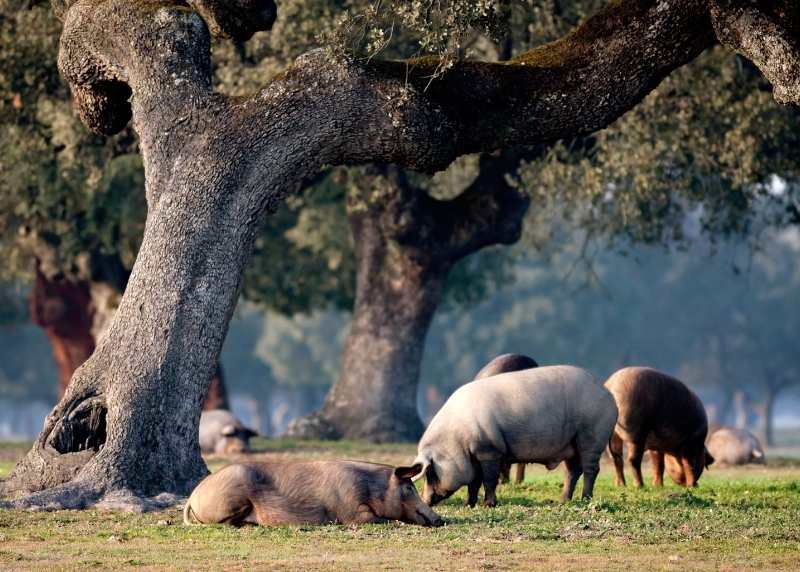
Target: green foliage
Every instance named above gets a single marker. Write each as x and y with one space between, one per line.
709 148
58 182
303 260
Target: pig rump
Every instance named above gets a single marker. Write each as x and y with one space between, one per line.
659 414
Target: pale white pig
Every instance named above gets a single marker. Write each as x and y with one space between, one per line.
544 415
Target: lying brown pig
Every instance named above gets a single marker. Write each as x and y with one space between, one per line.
731 446
542 415
506 363
308 492
222 433
659 414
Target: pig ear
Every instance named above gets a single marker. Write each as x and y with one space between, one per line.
228 431
249 432
407 472
709 458
423 468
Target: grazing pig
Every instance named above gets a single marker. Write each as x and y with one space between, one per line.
731 446
543 415
308 492
660 414
506 363
222 433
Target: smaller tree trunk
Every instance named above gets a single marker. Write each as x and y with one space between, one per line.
766 413
375 396
63 308
406 242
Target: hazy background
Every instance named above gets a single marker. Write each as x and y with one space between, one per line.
725 322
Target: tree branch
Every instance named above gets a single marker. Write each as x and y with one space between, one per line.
490 211
768 34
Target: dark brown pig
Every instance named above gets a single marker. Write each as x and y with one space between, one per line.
658 413
505 363
308 492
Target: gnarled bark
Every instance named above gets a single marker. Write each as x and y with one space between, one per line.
405 245
74 312
127 426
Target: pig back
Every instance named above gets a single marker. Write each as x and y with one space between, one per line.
527 415
506 363
655 404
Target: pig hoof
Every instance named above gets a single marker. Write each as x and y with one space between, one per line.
490 503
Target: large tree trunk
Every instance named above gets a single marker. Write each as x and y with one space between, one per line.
135 403
75 312
127 427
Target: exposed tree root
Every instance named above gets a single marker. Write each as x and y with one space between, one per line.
312 426
377 428
78 496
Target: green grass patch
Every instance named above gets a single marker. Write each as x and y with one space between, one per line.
742 518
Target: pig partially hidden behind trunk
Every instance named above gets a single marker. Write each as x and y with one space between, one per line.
543 415
308 492
506 363
731 446
658 413
223 434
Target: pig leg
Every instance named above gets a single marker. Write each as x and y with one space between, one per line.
691 479
505 472
657 458
520 476
366 516
472 490
615 450
571 475
474 486
635 455
490 473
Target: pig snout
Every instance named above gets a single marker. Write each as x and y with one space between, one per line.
431 498
234 446
424 515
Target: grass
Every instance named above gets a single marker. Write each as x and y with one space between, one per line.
742 518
